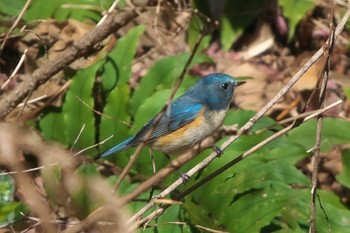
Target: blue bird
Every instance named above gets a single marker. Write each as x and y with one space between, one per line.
189 119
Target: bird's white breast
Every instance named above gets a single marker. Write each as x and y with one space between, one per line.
184 138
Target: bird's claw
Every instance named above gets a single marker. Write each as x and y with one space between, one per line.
184 177
218 151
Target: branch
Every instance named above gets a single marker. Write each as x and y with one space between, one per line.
80 48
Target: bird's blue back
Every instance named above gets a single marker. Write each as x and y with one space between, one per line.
204 94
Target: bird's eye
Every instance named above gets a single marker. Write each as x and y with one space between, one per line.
225 86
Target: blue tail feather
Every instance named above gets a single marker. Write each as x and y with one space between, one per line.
121 146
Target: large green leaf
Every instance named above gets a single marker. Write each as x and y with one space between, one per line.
52 126
73 10
11 8
10 212
294 11
118 66
241 117
162 75
38 10
116 107
75 113
306 133
195 30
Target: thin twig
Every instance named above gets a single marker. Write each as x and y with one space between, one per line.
32 101
77 138
28 170
114 5
104 115
95 145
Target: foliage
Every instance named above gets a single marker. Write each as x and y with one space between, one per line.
294 11
9 209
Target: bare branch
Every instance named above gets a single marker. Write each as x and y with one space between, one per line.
80 48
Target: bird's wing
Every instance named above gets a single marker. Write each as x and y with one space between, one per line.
180 113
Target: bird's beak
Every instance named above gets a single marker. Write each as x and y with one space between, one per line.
239 83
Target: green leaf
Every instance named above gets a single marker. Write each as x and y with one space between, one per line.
194 32
241 117
52 126
294 11
11 8
116 107
344 176
338 215
305 133
75 113
38 10
109 74
54 9
237 16
7 188
162 75
10 212
118 67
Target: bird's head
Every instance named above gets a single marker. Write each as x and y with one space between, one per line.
216 90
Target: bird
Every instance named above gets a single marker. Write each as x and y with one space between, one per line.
189 119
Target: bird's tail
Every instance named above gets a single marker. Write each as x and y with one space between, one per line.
121 146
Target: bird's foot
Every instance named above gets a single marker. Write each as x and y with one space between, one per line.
217 150
184 177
